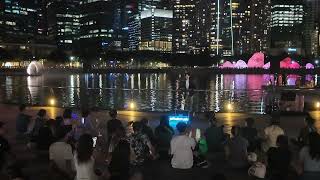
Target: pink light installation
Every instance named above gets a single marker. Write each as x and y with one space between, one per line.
285 63
241 64
266 66
294 65
227 64
309 66
256 61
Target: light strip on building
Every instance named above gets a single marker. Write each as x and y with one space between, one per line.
218 27
231 26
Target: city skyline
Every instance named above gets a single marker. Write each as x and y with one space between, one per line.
224 28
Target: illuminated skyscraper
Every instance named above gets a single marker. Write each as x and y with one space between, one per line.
63 23
311 28
184 20
18 20
287 25
256 29
149 25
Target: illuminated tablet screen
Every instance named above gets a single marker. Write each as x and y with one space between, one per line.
175 119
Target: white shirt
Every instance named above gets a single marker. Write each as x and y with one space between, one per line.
181 149
60 152
272 132
85 171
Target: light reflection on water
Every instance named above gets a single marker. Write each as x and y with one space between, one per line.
151 92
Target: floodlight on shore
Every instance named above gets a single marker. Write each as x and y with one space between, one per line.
132 105
317 105
229 107
52 101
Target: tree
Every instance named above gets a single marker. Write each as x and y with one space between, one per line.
4 55
58 56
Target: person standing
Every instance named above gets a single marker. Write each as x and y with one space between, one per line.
120 161
182 147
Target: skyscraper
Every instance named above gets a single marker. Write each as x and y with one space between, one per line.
98 33
287 25
63 23
18 20
149 25
156 30
184 13
257 30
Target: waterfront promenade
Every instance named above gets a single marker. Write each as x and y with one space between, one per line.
37 168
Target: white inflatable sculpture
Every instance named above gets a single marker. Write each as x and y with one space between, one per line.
35 69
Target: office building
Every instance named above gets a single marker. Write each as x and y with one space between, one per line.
287 25
18 20
156 30
184 13
63 23
98 33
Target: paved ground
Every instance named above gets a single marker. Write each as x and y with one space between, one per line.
37 167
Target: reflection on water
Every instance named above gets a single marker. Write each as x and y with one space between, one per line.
151 92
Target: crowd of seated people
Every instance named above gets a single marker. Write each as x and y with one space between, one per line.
71 145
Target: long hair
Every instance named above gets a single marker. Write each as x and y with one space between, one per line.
314 145
84 148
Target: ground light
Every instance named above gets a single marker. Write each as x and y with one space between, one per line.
317 105
52 102
229 107
132 105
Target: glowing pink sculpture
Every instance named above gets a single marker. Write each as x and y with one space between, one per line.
285 64
227 64
294 65
309 66
241 64
256 61
266 66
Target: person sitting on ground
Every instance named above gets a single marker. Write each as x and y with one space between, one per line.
119 135
181 147
309 158
147 130
39 123
214 134
306 130
271 134
68 122
61 156
84 126
236 150
87 124
141 145
120 163
163 135
45 137
23 120
250 133
113 124
279 159
84 160
5 148
219 177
